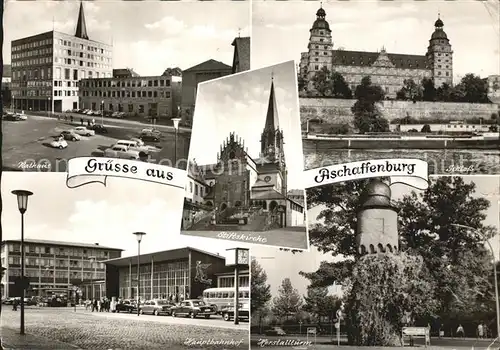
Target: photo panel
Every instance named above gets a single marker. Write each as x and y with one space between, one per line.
245 162
368 92
108 267
83 77
427 255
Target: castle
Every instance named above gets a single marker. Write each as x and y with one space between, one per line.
377 230
388 70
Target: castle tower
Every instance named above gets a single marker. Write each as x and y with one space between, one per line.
81 26
271 140
320 48
440 56
377 230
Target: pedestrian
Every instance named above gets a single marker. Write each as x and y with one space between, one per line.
71 118
81 121
99 305
94 308
14 305
88 123
480 330
143 156
460 331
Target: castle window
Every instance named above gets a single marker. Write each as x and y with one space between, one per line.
316 67
439 66
316 59
326 47
447 74
321 33
232 155
321 40
447 66
439 73
325 53
316 53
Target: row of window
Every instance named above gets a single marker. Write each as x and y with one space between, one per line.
82 55
35 273
59 263
198 189
81 63
33 62
228 282
95 49
126 94
169 267
125 83
38 73
31 45
75 74
32 93
66 251
32 84
39 52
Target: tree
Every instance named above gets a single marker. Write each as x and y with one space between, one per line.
385 289
426 128
475 89
429 92
259 289
288 300
340 88
302 83
424 227
320 304
321 82
367 117
410 91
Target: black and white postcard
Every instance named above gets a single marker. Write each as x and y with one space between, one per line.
378 79
389 266
245 162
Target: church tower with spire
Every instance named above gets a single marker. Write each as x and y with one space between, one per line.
81 26
440 56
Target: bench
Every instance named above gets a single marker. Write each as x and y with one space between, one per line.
416 332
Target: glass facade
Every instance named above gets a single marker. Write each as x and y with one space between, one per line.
228 281
162 280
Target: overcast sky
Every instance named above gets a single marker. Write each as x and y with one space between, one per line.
147 36
281 29
239 103
279 264
97 214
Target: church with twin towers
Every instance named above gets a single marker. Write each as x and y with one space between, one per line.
388 70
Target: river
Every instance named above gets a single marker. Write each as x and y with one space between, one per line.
442 161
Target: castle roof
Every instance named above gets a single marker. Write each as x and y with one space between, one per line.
209 65
366 59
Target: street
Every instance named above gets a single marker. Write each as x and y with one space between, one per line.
63 328
325 342
25 143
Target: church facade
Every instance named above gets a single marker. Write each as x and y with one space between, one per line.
243 190
388 70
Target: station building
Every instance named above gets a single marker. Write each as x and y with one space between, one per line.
176 274
46 67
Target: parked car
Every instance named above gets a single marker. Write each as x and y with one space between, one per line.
90 112
83 131
275 331
120 115
134 145
58 143
98 129
193 308
157 307
11 117
21 116
139 142
150 137
121 151
126 306
9 301
227 312
114 114
70 135
151 131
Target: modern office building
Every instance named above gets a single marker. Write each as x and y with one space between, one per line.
46 67
134 95
55 266
176 274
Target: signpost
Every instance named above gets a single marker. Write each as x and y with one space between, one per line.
311 331
412 332
237 257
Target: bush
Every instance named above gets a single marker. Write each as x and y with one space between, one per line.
426 128
493 128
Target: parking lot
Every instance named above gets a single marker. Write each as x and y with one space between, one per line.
92 330
26 143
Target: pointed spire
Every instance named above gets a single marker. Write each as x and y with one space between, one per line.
81 26
272 110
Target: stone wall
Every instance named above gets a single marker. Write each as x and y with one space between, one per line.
338 111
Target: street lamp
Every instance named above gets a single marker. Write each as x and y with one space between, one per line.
497 302
139 236
22 204
102 112
176 127
93 259
237 257
14 103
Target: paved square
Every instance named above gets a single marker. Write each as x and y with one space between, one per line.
83 329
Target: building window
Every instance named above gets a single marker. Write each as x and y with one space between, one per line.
130 107
167 94
190 187
141 108
66 74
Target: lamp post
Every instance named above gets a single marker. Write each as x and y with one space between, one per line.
237 257
497 302
176 127
14 103
22 204
93 259
102 112
139 236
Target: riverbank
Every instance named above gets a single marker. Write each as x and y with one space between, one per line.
316 143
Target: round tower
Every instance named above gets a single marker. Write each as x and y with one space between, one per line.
320 48
440 56
377 230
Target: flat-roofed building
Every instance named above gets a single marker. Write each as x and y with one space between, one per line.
136 96
46 67
56 266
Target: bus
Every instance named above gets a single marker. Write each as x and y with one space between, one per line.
223 297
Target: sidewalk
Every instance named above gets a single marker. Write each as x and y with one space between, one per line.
11 339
